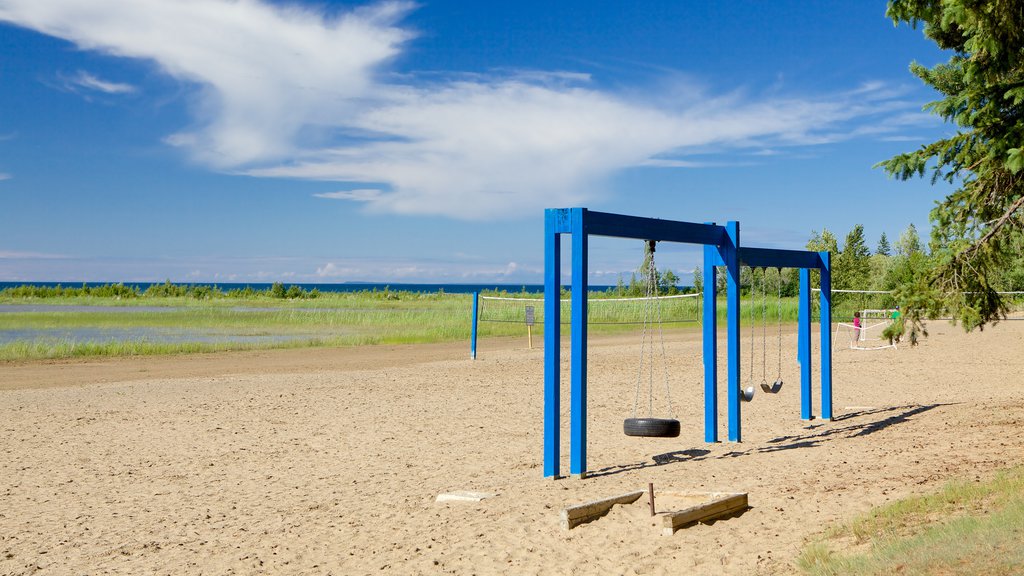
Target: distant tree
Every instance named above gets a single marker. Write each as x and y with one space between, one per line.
852 268
982 95
698 279
909 242
883 246
668 283
823 241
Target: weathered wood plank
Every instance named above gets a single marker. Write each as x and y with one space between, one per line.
573 516
718 504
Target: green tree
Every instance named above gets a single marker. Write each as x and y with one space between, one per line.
668 283
981 91
909 242
853 265
823 241
883 246
698 279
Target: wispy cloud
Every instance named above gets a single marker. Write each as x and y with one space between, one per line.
304 93
88 82
358 195
17 255
4 176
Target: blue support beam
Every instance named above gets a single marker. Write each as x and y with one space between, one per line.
552 343
722 248
578 360
710 340
826 335
804 344
730 255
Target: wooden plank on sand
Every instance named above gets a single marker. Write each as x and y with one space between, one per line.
716 505
573 516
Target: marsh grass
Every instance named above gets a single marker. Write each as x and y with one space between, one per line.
331 319
970 528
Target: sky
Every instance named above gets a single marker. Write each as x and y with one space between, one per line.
320 142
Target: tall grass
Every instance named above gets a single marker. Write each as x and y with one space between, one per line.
967 528
352 318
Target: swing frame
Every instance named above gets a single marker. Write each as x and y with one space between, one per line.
721 248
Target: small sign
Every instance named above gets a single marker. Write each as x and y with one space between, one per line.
529 316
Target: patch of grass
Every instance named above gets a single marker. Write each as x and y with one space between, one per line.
967 528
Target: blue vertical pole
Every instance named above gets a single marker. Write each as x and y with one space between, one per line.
826 335
578 400
710 322
804 344
731 256
472 337
552 343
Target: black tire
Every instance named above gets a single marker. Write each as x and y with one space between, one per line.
651 427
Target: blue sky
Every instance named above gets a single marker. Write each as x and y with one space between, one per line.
258 141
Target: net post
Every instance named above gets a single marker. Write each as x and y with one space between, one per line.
476 323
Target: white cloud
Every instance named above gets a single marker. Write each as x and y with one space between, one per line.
262 72
4 176
299 93
358 195
87 81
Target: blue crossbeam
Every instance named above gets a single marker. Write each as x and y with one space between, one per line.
775 258
617 226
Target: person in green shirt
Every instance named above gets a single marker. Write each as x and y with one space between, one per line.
895 330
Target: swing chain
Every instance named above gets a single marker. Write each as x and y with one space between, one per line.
753 290
764 326
778 304
651 306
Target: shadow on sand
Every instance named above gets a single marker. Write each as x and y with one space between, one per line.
861 423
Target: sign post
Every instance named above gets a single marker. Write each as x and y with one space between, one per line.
529 326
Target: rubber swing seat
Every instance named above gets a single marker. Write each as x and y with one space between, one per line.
651 427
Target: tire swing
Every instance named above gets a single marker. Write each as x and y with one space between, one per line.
651 427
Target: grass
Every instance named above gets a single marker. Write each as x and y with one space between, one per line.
330 319
967 528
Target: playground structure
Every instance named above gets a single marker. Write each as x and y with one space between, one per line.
722 247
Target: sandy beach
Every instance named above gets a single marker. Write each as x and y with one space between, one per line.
328 461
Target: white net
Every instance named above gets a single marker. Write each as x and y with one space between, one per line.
676 309
867 336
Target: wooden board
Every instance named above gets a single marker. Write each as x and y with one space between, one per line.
573 516
464 496
710 505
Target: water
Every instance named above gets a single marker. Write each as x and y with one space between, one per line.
141 334
344 287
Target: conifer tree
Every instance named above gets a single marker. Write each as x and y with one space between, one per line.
981 91
883 246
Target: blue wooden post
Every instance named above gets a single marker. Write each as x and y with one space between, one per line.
804 344
826 335
472 337
578 400
710 322
730 253
552 342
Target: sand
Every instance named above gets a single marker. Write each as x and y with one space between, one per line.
330 461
